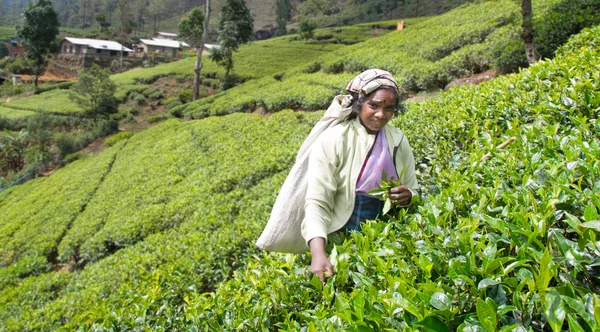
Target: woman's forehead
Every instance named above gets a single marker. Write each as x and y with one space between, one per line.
383 95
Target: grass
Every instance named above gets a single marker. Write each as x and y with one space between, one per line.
12 113
53 101
7 33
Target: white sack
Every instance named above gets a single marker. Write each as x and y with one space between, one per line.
283 231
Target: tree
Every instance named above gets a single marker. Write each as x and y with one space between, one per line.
38 29
155 9
124 13
95 92
307 28
194 30
235 28
101 19
284 14
110 6
527 32
140 8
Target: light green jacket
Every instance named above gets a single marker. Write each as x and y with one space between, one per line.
335 161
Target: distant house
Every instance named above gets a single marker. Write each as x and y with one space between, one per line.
15 47
160 46
96 47
209 47
164 35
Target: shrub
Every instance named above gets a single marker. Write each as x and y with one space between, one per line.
307 28
506 50
68 143
561 20
61 86
185 96
117 137
21 65
157 118
72 157
156 95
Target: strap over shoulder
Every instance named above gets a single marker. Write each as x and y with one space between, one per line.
283 230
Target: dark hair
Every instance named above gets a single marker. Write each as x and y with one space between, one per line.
359 100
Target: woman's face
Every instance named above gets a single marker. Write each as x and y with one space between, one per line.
377 110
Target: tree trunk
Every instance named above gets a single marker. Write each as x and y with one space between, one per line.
198 66
35 80
527 33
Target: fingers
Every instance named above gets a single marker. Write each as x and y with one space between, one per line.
322 269
321 275
400 195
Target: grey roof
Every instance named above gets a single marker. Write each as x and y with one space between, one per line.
169 34
99 44
164 43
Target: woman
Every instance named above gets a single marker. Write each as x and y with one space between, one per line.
347 161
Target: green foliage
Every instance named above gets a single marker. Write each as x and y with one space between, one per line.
12 151
185 96
22 65
38 29
191 28
157 118
7 33
95 92
53 102
124 135
61 86
283 10
307 28
236 27
561 20
72 157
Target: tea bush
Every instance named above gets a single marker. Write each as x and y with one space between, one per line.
503 243
12 113
117 138
54 101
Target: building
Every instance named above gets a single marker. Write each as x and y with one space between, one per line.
164 35
95 47
15 47
158 46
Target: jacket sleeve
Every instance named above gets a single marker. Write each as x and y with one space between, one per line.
406 160
321 189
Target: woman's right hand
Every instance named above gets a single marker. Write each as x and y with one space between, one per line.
320 265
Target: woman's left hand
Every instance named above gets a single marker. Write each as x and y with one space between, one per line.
400 195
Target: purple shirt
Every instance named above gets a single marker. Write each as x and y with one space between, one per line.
378 161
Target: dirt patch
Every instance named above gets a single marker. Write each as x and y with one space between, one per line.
48 76
96 146
472 79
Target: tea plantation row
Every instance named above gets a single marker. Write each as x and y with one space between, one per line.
174 206
507 243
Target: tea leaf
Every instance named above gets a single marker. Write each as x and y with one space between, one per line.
440 301
486 315
555 311
432 324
